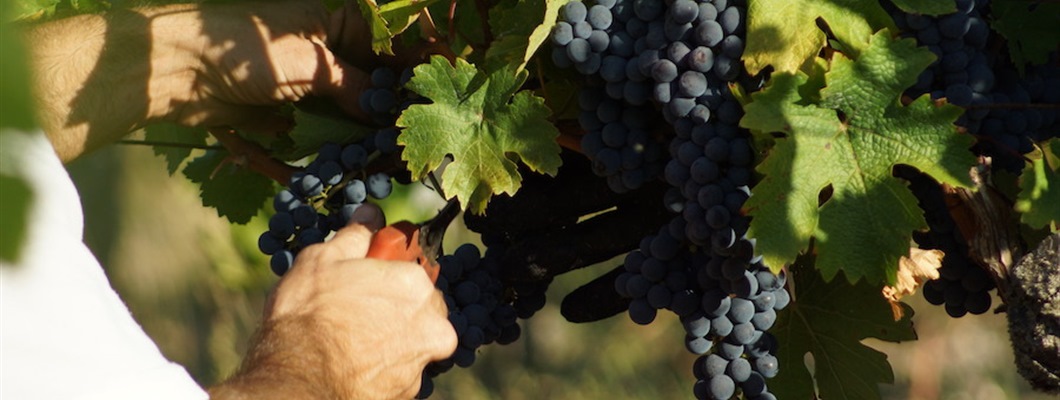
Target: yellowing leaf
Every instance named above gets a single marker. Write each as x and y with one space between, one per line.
483 123
784 33
399 15
849 140
913 270
1039 198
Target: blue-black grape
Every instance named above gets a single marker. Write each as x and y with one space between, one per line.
721 387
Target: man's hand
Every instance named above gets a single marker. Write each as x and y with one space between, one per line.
100 77
340 326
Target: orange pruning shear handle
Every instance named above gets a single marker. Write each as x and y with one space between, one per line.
421 244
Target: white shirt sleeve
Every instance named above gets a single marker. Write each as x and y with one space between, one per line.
64 333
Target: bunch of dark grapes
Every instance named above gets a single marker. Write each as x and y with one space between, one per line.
619 139
963 286
387 96
681 56
322 198
1003 107
726 303
1005 110
480 309
599 41
1024 108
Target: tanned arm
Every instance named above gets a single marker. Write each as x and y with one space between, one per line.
99 77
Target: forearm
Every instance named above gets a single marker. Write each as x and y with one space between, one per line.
99 77
285 361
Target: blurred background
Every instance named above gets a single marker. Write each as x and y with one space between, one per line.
197 284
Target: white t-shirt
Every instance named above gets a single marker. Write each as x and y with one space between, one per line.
64 333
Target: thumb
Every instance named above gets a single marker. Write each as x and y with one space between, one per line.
354 240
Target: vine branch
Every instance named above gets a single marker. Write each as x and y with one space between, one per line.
168 144
258 160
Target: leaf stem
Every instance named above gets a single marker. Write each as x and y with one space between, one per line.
437 185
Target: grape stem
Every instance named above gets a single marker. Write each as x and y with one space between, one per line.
570 137
452 16
428 29
258 160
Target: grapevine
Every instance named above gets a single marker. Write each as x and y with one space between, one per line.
765 172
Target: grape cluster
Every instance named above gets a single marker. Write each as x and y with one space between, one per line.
1001 103
1002 109
681 57
1024 108
963 286
602 41
726 303
387 96
619 140
480 309
322 198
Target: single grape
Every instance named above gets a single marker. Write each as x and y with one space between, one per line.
379 185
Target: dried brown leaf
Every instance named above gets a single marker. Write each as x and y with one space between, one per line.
913 270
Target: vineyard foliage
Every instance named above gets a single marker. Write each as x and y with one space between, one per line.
848 136
829 321
482 121
830 125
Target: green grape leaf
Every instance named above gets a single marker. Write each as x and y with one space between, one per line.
784 33
1039 197
377 25
483 123
89 6
313 130
177 135
237 193
16 101
15 195
399 15
829 321
520 29
1029 26
846 144
926 7
27 9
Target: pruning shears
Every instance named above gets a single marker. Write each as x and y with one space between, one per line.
418 243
